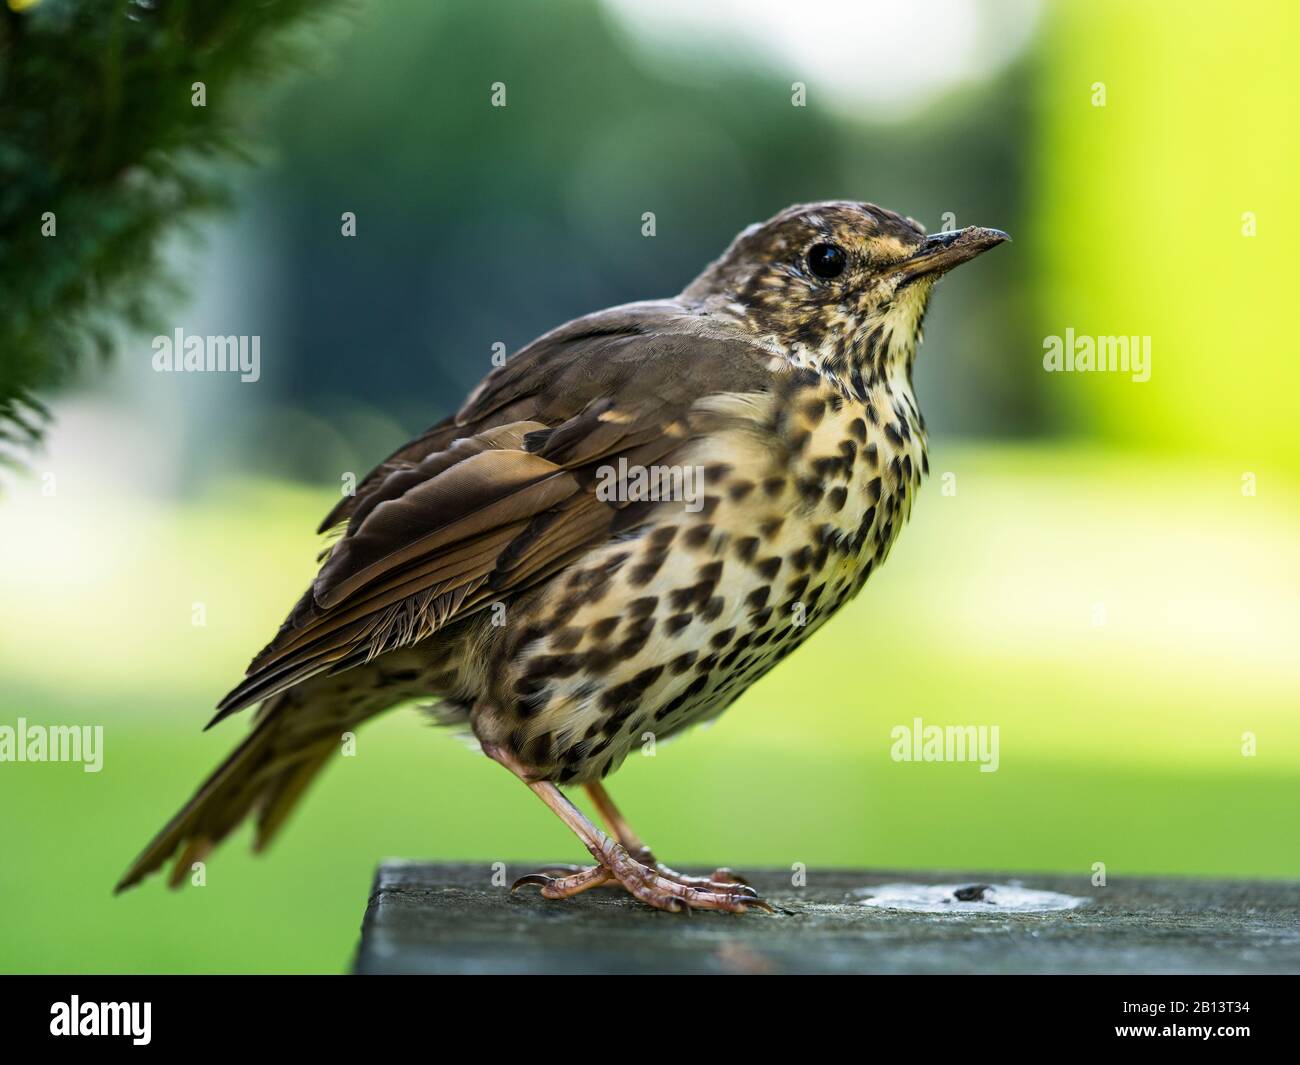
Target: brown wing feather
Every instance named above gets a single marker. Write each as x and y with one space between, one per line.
496 499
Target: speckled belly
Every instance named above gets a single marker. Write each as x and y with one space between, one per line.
663 629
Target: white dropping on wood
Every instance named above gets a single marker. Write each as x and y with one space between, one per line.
965 898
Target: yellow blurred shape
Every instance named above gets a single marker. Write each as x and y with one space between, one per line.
1168 165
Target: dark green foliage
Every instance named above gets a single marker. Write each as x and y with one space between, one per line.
97 126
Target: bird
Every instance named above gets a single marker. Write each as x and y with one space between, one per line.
624 526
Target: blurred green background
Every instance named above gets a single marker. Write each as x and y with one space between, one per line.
1102 586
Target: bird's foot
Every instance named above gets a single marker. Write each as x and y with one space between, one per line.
721 879
651 882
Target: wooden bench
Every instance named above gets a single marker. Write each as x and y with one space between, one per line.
461 918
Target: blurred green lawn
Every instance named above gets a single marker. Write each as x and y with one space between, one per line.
1120 743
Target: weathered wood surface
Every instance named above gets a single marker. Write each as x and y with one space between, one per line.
450 918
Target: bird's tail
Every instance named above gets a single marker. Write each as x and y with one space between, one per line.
264 776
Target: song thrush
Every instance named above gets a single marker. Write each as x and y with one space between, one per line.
481 565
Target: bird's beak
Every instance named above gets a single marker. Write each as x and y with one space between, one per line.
942 251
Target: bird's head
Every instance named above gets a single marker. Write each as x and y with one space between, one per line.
839 286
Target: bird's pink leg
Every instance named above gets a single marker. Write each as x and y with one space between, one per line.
639 880
721 880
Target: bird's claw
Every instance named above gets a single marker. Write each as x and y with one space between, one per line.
538 879
728 876
721 879
652 883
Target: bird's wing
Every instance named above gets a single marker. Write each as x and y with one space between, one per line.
550 380
500 497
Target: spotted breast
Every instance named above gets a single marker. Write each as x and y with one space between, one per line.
806 489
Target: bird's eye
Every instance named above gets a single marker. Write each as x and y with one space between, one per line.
827 260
